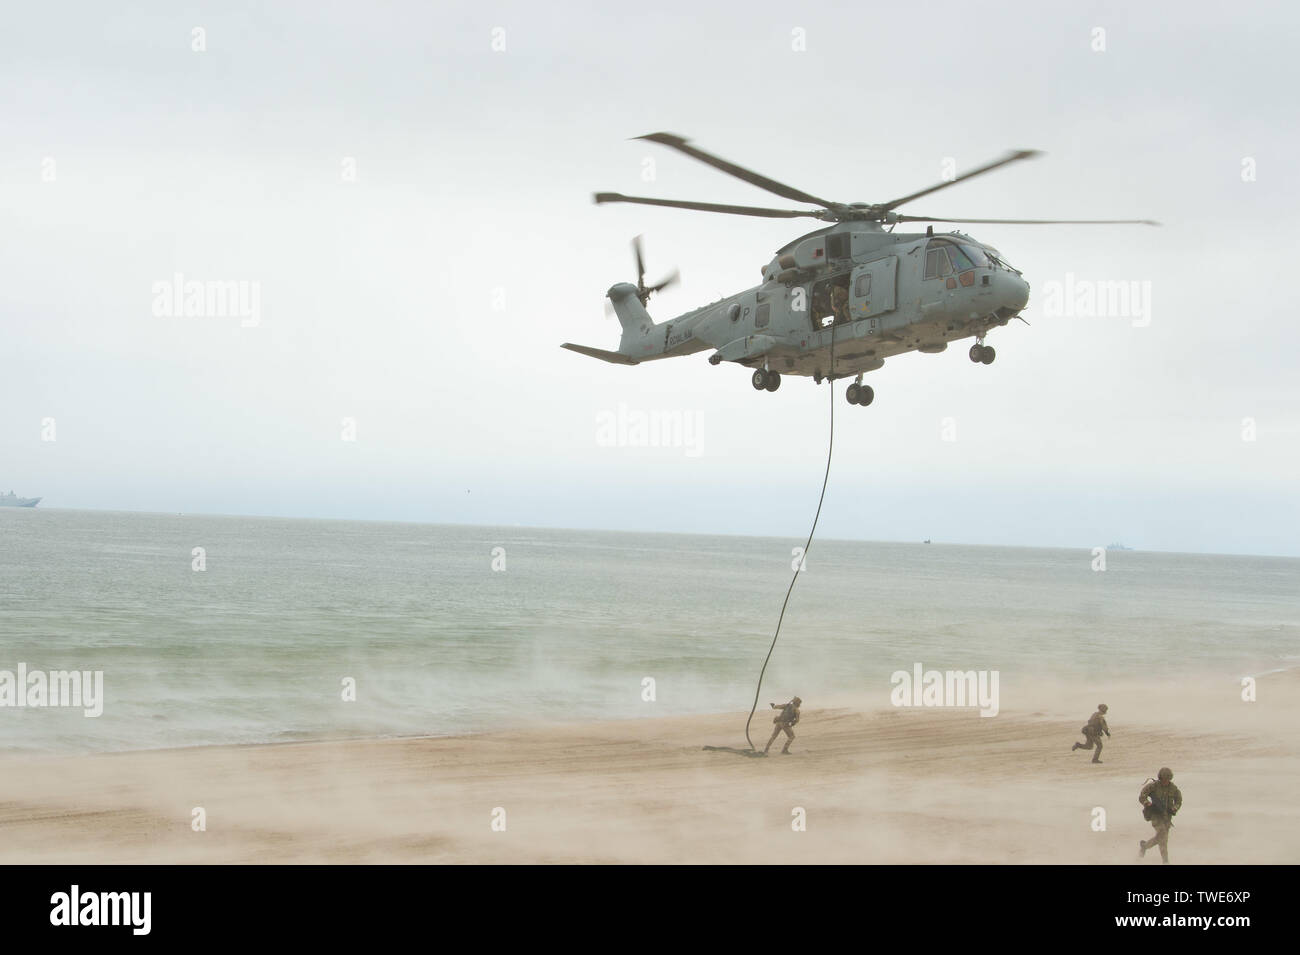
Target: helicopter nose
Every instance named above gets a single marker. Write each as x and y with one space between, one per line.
1013 293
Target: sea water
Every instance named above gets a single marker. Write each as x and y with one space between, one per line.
216 630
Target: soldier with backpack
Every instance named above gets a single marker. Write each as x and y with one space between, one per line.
1160 800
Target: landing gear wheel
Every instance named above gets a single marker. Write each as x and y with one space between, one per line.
759 379
773 380
989 355
861 395
977 353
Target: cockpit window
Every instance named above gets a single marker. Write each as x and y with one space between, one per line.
945 257
936 263
960 260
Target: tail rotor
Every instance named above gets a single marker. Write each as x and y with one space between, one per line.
643 291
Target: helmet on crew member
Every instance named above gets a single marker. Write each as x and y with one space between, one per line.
1165 774
1102 707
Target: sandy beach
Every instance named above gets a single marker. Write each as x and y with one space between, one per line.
877 784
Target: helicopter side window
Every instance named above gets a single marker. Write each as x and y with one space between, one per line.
762 316
863 287
936 263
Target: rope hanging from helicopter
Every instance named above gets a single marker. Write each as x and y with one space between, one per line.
798 567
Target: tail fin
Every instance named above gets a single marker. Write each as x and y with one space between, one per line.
636 322
631 313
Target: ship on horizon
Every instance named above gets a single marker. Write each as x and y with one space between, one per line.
13 500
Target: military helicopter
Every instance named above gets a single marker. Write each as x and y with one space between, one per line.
837 302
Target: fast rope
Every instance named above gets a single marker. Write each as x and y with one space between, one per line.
830 387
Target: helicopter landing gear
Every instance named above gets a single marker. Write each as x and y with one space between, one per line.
982 354
859 394
764 380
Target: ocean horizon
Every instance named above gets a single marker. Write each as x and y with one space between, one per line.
1113 545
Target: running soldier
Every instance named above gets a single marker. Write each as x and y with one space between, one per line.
1160 800
1092 733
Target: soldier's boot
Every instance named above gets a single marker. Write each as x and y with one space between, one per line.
1074 747
785 750
1142 848
1095 759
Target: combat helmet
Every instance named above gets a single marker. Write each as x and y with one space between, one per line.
1165 774
1102 707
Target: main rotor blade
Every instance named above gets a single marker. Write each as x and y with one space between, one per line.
987 167
602 197
740 172
903 218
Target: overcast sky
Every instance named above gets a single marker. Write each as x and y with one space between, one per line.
414 209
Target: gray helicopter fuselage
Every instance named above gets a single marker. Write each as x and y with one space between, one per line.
899 293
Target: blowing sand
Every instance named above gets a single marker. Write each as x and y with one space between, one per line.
877 785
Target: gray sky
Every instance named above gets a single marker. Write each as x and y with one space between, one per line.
380 297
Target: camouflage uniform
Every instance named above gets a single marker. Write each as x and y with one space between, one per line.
1092 733
1166 799
840 303
784 721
